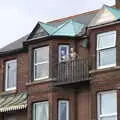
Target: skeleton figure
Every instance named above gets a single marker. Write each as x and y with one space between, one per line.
72 54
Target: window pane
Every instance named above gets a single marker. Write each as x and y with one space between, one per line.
63 52
41 70
108 103
41 54
107 57
106 40
11 73
41 63
63 110
109 118
41 111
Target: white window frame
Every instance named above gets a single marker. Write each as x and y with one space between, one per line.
67 55
34 109
67 105
99 50
99 105
40 63
6 74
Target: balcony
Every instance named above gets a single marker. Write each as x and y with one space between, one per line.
72 71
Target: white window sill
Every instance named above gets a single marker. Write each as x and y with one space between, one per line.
106 66
108 69
41 78
10 89
40 82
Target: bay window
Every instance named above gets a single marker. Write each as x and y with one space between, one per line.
41 111
107 105
106 49
63 110
10 75
41 63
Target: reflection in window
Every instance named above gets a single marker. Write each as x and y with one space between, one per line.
10 75
63 110
41 111
41 63
107 105
106 49
63 53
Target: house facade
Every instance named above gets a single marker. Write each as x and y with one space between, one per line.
67 69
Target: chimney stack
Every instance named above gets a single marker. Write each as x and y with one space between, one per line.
117 4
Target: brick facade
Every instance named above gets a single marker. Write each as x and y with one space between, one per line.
82 95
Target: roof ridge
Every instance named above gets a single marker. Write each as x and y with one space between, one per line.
48 25
60 27
74 26
70 17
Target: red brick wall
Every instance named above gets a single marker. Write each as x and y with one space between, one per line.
22 71
93 34
105 79
83 103
17 115
52 96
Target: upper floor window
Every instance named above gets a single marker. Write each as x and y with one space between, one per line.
41 111
107 105
63 110
106 49
63 53
10 75
41 63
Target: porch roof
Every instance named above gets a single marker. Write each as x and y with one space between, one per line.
13 102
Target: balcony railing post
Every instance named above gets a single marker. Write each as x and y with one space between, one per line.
73 70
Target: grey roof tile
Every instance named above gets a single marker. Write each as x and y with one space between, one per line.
14 45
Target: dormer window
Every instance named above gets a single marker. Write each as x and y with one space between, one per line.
106 49
10 75
41 63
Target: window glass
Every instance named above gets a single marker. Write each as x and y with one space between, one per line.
63 110
63 52
41 63
41 70
106 50
106 40
107 105
109 118
107 57
41 54
11 74
40 111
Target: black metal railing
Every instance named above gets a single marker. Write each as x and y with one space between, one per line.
73 71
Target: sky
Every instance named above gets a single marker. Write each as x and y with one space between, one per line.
19 17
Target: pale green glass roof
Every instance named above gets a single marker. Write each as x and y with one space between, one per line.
68 28
114 11
48 28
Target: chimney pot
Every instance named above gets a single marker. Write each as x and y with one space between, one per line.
117 4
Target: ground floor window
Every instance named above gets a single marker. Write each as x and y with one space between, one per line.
107 105
63 110
41 111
